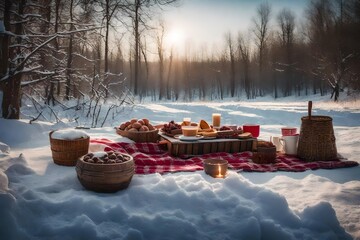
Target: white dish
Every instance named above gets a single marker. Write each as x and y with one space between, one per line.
192 138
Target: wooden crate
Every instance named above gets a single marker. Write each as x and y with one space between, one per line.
199 147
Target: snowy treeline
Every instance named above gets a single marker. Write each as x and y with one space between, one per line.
96 50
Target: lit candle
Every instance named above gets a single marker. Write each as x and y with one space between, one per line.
216 118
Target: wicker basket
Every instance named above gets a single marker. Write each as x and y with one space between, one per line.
67 152
316 140
105 177
149 136
264 155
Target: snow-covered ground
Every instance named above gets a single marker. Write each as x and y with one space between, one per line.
41 200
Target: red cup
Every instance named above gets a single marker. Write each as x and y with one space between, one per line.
254 129
288 131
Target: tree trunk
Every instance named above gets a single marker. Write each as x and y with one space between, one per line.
137 46
4 46
107 26
12 86
220 86
56 27
69 59
260 80
275 85
4 41
44 59
160 52
11 98
232 75
246 79
144 86
168 93
106 59
177 70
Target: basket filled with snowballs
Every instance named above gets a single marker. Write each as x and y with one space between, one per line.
68 145
138 130
105 171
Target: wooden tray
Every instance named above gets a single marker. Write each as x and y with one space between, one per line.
177 147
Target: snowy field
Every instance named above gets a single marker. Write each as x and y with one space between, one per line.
41 200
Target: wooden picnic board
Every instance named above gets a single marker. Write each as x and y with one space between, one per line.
177 147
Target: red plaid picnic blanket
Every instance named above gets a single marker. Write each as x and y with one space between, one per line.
154 158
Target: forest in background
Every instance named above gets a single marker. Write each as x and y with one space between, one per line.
95 50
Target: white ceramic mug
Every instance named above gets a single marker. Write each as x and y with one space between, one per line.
276 142
290 144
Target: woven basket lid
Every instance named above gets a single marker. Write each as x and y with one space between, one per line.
317 118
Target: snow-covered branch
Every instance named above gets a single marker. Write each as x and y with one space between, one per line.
27 83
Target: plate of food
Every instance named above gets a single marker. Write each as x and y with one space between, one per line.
171 128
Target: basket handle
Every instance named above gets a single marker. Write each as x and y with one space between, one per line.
309 109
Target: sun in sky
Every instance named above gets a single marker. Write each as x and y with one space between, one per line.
175 38
207 21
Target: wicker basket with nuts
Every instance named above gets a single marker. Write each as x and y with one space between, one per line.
110 157
105 171
138 130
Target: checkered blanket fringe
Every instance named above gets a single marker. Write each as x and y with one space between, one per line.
154 158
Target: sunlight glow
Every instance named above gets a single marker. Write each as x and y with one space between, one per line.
175 38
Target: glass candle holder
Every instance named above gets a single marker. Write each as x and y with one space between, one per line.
216 168
216 120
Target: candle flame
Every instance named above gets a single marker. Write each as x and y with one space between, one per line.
219 168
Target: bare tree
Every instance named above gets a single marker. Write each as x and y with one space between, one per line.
111 7
177 78
186 62
25 51
261 31
286 23
139 12
244 52
45 57
160 51
11 77
110 10
4 43
56 44
332 57
144 83
231 51
320 22
168 90
70 53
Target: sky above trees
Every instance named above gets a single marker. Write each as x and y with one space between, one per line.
205 22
